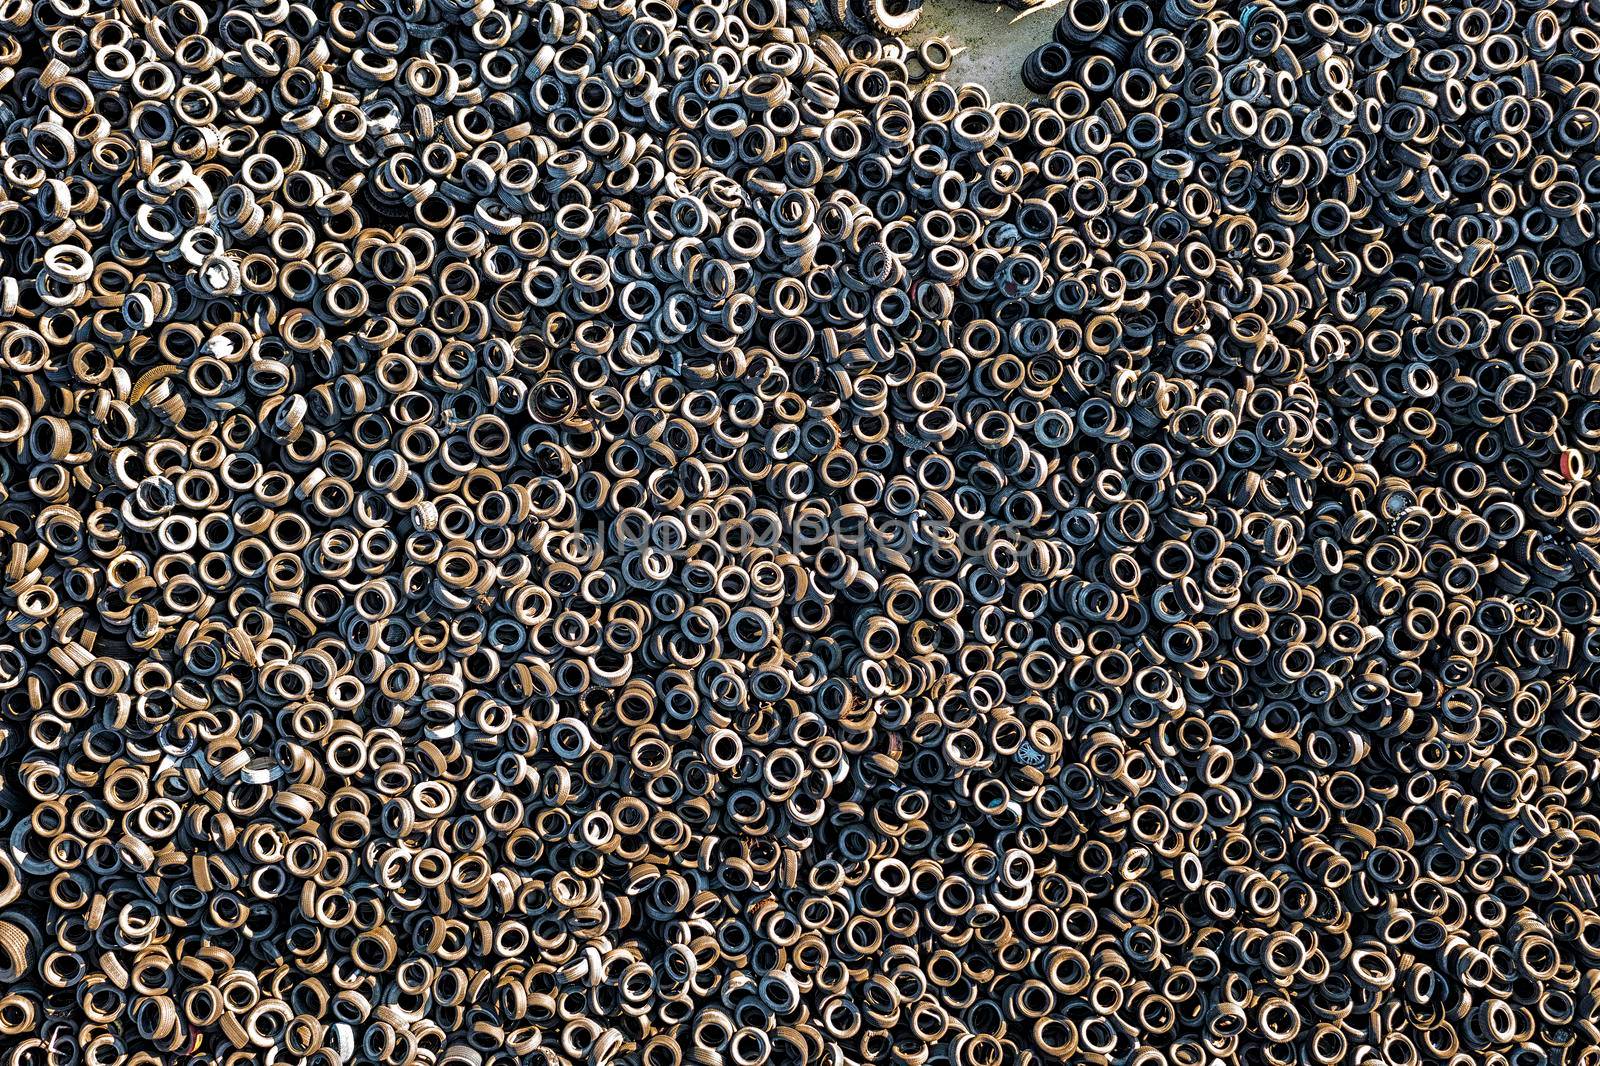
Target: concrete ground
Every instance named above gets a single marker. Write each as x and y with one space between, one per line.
992 41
